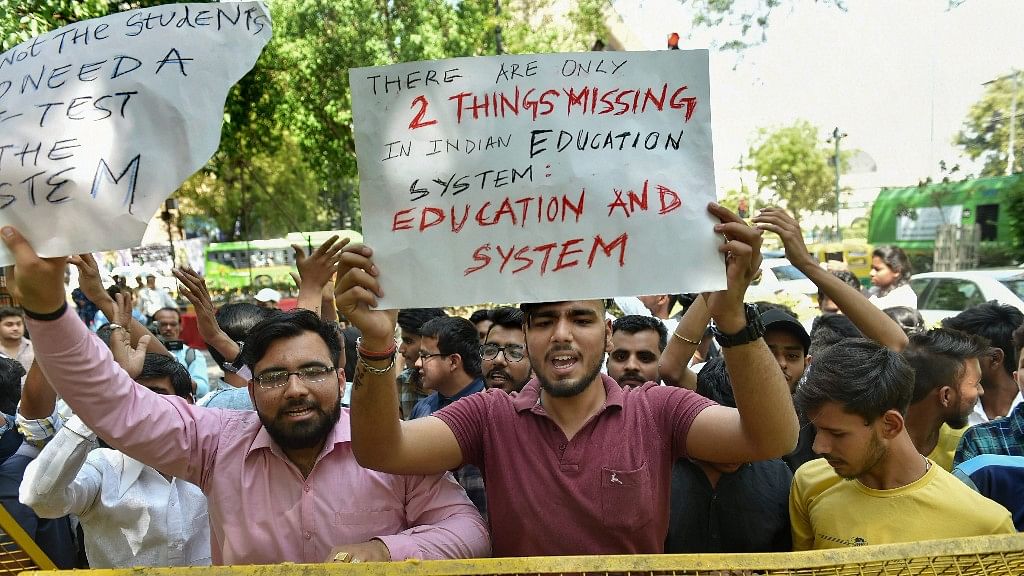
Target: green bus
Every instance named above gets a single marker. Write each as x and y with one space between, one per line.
262 263
909 217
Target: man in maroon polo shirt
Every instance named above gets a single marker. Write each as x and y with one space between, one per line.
590 469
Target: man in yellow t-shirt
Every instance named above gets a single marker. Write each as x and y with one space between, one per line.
872 486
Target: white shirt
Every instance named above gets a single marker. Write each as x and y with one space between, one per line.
902 296
152 299
131 515
978 415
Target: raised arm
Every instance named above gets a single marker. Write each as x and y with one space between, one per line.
193 287
764 424
380 439
58 482
674 367
92 285
873 322
316 270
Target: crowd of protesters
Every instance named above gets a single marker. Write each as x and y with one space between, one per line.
552 428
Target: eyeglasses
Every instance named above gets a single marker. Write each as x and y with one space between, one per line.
278 378
424 356
512 352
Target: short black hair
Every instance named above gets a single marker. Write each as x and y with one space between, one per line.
908 318
164 366
830 329
938 358
480 315
714 384
528 308
896 259
237 320
289 325
168 309
846 276
862 376
764 306
7 311
11 373
633 323
506 317
412 319
994 322
456 335
104 332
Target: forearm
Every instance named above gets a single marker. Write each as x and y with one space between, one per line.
37 396
49 486
763 400
461 535
376 424
310 297
135 328
873 322
675 360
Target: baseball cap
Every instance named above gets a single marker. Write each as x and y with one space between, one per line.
776 319
268 295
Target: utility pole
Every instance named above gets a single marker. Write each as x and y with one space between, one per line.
837 136
1011 156
497 29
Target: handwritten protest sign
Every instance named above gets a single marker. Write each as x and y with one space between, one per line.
538 177
101 120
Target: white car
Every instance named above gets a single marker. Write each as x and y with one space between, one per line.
779 275
944 294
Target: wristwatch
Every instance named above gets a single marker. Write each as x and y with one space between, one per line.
752 331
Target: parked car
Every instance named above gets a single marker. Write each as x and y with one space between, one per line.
779 275
944 294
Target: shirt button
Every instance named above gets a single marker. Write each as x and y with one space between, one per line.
307 535
306 487
561 446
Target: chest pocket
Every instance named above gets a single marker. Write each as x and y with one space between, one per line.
627 499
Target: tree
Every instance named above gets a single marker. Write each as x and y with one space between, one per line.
745 22
986 130
792 163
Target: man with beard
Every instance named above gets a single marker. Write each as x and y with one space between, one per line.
282 483
947 386
637 344
574 464
504 351
873 487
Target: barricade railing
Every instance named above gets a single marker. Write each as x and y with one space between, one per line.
18 552
980 556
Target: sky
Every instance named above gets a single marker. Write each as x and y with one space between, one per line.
897 76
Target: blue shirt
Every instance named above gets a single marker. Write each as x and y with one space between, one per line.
999 478
436 401
196 368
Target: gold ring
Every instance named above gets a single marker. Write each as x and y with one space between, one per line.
343 557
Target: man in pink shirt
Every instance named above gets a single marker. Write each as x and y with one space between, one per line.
282 482
590 469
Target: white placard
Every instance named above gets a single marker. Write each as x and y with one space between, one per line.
101 120
535 178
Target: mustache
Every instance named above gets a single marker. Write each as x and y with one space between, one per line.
632 376
298 404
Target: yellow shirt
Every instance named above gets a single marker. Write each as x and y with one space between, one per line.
826 511
949 439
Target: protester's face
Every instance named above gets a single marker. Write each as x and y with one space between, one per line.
789 353
827 305
1018 374
434 367
654 304
634 357
169 324
269 304
12 328
567 342
969 390
851 446
151 281
298 414
500 372
160 385
481 329
410 351
881 275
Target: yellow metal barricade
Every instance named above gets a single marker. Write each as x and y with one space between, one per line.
980 556
17 550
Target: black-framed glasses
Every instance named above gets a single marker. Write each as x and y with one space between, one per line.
425 356
512 352
278 378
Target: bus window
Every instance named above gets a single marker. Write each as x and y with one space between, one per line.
987 215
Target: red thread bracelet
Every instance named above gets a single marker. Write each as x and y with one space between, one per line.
375 356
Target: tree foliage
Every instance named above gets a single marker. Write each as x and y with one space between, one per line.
741 23
792 163
985 134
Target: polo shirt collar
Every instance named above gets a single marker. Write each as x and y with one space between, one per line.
471 388
529 396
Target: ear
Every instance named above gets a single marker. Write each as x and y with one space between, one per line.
946 396
807 361
607 335
997 357
456 362
342 382
891 424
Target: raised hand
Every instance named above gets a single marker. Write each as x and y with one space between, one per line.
89 279
355 294
130 359
319 267
778 221
40 281
742 249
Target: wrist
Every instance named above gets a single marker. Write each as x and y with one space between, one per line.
43 310
731 321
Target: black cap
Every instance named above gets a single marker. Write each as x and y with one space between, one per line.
776 319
